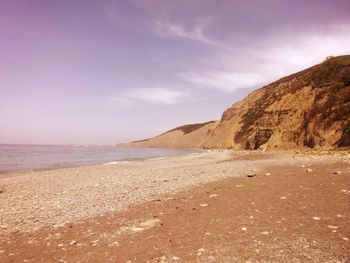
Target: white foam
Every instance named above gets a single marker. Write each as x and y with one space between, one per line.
112 163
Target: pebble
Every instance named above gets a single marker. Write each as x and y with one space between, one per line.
333 227
243 228
213 195
150 223
211 258
60 245
345 238
251 175
283 197
265 233
73 242
239 185
337 172
115 243
309 170
316 218
4 226
267 174
175 258
137 229
94 242
162 259
203 205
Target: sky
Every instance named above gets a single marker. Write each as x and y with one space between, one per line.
109 71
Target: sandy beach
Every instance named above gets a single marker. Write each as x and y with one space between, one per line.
192 208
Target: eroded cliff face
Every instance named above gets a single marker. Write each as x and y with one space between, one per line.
308 109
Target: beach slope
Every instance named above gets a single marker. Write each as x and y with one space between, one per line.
194 208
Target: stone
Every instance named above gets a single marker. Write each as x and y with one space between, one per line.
309 170
211 258
337 172
213 195
94 242
267 174
333 227
264 233
283 197
137 229
243 228
316 218
251 175
203 205
115 243
150 223
73 242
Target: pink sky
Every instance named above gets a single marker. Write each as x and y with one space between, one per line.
103 71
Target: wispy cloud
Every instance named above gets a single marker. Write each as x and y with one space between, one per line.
197 32
151 95
166 28
224 81
267 61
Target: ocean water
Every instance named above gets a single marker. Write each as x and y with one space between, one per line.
37 157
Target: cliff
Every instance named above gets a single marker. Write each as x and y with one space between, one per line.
309 109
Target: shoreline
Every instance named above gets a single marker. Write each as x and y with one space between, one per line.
296 152
14 172
212 212
59 192
69 194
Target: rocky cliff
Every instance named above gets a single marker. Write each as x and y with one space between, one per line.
309 109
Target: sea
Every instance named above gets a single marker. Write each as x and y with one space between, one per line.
41 157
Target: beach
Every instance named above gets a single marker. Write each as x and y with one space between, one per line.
293 207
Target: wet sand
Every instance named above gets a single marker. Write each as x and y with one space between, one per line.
200 208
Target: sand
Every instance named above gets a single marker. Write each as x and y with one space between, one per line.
194 208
